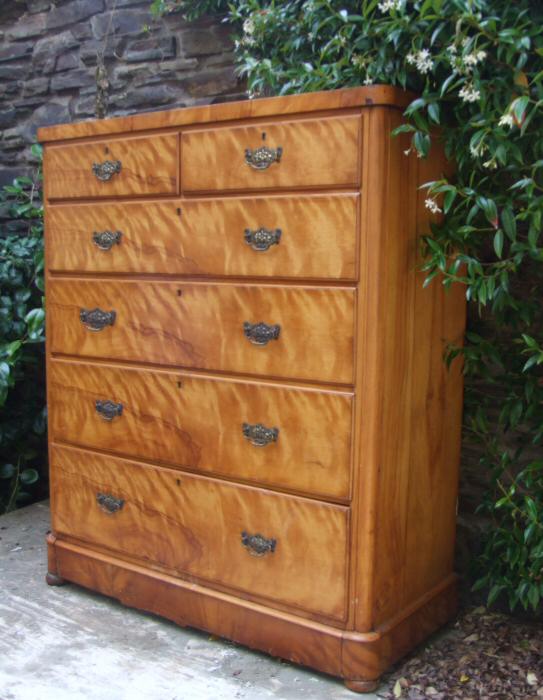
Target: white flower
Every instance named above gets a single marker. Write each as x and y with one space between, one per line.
368 80
432 205
470 60
469 93
490 164
249 26
506 120
479 149
358 60
387 5
452 49
421 59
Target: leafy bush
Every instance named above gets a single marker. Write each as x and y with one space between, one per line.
477 68
22 365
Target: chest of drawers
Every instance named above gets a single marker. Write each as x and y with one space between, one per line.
252 430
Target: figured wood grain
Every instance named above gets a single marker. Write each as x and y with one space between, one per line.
201 326
196 422
354 656
325 101
315 153
193 524
149 165
206 237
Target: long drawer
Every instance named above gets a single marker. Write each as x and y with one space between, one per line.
272 546
296 332
291 438
312 237
129 166
287 154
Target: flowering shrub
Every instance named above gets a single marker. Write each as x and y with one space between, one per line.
22 362
477 68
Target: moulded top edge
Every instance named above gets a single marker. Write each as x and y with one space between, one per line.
373 95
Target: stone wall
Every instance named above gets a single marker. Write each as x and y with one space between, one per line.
73 59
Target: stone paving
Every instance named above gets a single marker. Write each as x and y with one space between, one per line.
70 644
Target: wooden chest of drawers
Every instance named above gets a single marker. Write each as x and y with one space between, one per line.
252 430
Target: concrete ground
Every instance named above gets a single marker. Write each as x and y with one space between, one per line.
67 643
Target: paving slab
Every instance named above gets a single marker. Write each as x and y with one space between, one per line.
67 643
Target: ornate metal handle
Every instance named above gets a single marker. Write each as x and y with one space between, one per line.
96 319
106 170
261 158
261 333
262 238
108 409
258 545
105 240
108 503
258 435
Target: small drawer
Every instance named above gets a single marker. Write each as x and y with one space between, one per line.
123 167
312 237
279 155
295 332
269 545
286 437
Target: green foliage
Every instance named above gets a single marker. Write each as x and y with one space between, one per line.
22 366
477 68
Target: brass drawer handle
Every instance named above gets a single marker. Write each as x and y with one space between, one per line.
261 333
96 319
258 435
262 238
105 240
108 409
261 158
106 170
108 503
258 545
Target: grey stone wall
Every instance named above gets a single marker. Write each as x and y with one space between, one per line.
67 60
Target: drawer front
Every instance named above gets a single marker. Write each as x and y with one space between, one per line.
308 332
313 237
194 525
313 153
297 439
132 166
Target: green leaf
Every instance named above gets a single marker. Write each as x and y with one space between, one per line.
29 476
498 243
7 471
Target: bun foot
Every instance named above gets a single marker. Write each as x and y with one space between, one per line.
54 580
362 686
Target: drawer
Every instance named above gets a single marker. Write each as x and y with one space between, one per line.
131 166
305 332
313 153
313 237
292 438
206 528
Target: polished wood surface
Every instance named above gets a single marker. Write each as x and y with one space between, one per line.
315 153
196 422
355 656
201 326
194 525
148 166
326 101
207 237
362 478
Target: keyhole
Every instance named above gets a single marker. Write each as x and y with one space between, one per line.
179 292
179 211
263 136
178 482
179 385
106 150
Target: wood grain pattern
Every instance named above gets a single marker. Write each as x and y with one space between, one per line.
353 655
325 101
201 326
196 422
315 153
206 237
148 166
193 525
